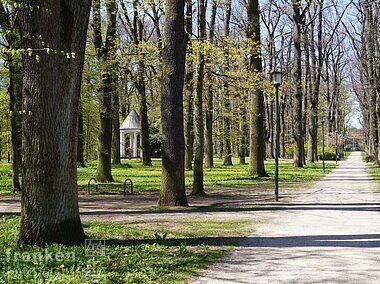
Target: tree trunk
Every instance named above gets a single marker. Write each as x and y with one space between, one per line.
103 173
144 128
189 84
144 133
243 135
173 142
227 153
106 54
309 94
49 204
257 111
12 24
141 88
15 107
370 42
209 147
297 77
116 160
80 147
198 188
318 76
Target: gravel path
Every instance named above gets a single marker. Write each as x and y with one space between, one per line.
331 235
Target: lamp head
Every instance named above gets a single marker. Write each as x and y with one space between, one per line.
277 78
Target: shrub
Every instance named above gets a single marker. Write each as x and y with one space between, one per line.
329 153
290 152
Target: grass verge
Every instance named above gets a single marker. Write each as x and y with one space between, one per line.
134 253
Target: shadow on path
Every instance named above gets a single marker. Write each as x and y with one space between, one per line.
251 208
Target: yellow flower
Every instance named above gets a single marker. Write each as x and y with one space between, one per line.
62 266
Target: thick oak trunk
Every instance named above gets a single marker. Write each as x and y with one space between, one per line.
49 205
257 111
173 143
103 172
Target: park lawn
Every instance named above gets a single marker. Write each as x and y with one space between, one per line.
374 171
133 254
5 178
149 178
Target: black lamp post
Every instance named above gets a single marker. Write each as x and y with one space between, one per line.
277 80
323 144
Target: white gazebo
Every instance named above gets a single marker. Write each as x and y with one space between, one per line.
130 125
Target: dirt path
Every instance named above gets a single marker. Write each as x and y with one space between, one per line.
331 235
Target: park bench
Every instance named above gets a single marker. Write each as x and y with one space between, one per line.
128 184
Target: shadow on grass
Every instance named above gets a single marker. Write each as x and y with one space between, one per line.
360 240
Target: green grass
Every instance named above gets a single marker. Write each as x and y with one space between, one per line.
374 171
5 178
134 253
149 178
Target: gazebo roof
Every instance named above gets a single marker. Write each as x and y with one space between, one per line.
132 122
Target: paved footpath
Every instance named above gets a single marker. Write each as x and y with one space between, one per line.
329 235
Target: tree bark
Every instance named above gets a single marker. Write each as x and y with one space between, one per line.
309 122
227 151
80 147
198 188
209 145
297 78
12 25
138 34
189 86
243 135
173 142
141 87
318 74
144 133
15 108
106 55
49 204
257 111
370 42
116 160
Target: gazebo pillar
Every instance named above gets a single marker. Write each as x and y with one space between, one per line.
122 144
135 144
